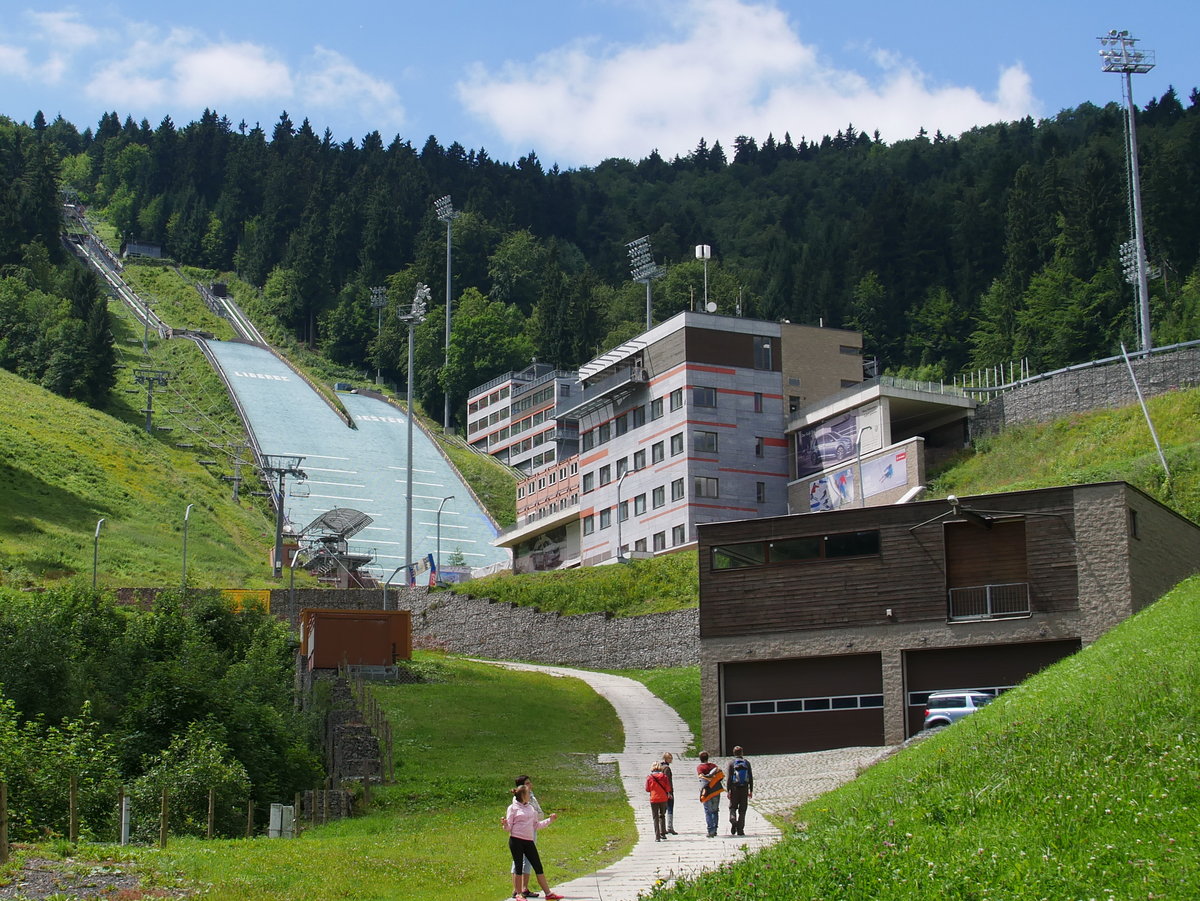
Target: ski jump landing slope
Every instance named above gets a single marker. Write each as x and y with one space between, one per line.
365 469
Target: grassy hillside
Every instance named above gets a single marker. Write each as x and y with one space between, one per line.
64 466
1078 784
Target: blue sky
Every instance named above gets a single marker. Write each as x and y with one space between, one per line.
579 81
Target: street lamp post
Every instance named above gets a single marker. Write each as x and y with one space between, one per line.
96 551
862 495
439 534
620 482
415 315
389 579
186 516
642 268
445 212
1119 55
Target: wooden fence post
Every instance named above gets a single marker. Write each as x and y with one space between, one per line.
250 818
298 815
212 810
73 810
3 822
162 821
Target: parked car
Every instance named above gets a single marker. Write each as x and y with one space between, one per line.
837 447
946 707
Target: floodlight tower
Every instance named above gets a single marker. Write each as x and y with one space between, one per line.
1119 55
642 268
445 212
378 301
414 316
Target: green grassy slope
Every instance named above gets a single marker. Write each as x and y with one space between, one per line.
1080 783
64 466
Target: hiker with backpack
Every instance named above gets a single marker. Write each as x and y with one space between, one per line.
740 791
712 783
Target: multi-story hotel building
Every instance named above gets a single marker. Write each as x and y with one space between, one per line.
681 425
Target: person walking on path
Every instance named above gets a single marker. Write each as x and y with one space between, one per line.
666 768
659 788
522 824
712 783
741 790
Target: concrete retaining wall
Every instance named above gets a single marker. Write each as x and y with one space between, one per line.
1101 385
462 624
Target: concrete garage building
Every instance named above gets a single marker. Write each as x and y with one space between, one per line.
830 630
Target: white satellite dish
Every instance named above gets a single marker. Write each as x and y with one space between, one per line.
711 307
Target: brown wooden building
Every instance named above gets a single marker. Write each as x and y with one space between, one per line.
830 630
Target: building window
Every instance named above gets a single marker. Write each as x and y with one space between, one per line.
706 487
639 459
704 397
621 424
762 352
677 399
656 410
639 505
677 490
677 444
759 446
622 466
564 389
589 482
589 439
605 475
705 442
657 452
758 402
604 433
658 496
640 545
678 536
760 492
606 518
637 417
660 541
589 525
623 511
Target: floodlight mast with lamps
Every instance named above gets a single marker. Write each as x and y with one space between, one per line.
414 316
445 212
642 268
378 301
1119 55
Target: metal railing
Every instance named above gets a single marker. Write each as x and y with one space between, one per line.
981 602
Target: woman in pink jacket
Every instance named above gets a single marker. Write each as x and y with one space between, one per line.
522 824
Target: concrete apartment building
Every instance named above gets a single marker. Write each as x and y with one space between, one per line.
681 425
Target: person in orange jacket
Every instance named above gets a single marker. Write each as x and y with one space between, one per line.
660 789
712 783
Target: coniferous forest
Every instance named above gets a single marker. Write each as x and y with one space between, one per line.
947 252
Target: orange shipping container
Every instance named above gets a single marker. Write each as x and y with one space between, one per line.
356 637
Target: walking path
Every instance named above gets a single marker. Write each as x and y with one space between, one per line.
782 781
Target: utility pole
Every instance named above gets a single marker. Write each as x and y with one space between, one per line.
150 378
280 467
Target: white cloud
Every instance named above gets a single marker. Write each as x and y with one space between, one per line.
215 75
731 67
65 29
333 81
13 61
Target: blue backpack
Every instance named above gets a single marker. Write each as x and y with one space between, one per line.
739 772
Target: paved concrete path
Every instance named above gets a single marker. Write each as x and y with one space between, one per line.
782 782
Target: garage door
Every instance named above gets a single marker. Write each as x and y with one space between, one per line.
807 704
991 668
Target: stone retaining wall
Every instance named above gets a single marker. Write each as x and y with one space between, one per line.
1102 385
462 624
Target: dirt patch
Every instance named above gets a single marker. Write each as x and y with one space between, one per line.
41 877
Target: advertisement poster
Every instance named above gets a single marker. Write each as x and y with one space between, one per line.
885 472
831 492
825 445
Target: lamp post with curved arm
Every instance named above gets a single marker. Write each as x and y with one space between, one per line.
439 534
862 494
96 551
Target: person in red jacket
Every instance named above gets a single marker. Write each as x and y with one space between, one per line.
660 789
